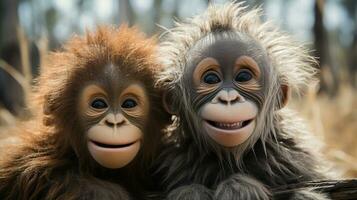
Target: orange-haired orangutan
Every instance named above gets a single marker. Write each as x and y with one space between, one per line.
99 123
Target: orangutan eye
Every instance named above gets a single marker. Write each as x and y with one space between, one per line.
243 76
99 104
211 78
129 103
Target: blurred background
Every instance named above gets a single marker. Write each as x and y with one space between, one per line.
31 28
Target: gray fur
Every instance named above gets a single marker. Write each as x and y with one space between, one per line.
276 154
241 187
191 192
308 194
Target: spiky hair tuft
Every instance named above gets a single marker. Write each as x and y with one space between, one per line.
289 58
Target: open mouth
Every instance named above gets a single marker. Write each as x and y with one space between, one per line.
229 126
112 145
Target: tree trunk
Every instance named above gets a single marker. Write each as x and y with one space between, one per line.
329 75
11 93
126 13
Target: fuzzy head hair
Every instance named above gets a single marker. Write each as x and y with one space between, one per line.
290 61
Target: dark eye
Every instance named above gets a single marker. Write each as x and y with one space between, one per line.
129 103
243 76
99 104
211 78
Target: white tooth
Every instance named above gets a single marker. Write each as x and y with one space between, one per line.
230 125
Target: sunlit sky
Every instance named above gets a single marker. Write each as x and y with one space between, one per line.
299 15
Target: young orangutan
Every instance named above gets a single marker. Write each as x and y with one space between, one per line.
98 125
228 77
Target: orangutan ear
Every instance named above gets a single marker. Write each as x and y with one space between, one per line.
285 94
169 103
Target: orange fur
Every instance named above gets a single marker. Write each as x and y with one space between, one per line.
51 162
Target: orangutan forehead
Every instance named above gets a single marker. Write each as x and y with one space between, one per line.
227 47
109 76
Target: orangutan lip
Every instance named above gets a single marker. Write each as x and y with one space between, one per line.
112 145
229 126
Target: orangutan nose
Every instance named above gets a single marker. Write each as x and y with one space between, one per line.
229 96
114 120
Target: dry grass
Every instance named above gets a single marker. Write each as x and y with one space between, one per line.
334 120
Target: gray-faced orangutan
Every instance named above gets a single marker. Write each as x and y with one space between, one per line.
99 125
228 77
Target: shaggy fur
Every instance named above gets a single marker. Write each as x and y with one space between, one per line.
274 155
52 160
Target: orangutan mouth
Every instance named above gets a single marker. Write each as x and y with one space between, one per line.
112 145
229 126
